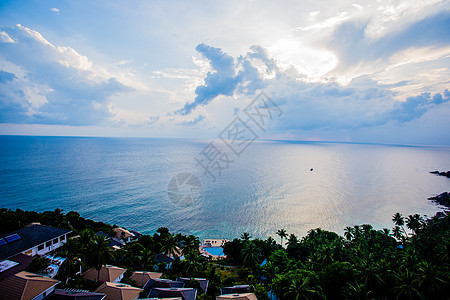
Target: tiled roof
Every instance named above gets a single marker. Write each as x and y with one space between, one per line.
30 237
162 283
73 294
23 260
25 286
184 293
247 296
126 233
107 273
142 277
118 291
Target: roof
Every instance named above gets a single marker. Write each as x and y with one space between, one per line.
162 283
118 291
25 286
184 293
74 294
142 277
30 237
23 262
161 257
107 273
203 282
247 296
121 231
235 289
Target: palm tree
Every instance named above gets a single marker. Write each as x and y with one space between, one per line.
348 233
99 253
414 222
147 259
191 244
292 241
245 236
430 278
169 245
251 255
70 250
303 287
406 285
356 290
84 240
270 270
396 232
282 234
399 221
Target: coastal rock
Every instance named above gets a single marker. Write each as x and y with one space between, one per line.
442 199
446 174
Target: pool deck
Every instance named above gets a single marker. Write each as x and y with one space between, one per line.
207 254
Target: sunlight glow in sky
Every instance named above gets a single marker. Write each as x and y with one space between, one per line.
361 71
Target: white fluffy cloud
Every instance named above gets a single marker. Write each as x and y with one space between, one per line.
50 84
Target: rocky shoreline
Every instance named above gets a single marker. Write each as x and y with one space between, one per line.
446 174
442 199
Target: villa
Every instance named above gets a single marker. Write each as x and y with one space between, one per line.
247 296
124 234
27 286
214 242
107 273
118 291
32 240
141 278
183 293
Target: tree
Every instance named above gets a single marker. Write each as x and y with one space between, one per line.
282 234
304 285
251 255
169 245
71 251
99 253
414 222
245 236
348 233
191 244
399 221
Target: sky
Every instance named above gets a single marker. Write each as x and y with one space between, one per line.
347 71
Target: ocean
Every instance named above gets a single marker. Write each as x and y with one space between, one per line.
271 185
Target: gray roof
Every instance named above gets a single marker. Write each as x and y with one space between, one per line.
30 237
237 289
184 293
74 294
203 282
162 283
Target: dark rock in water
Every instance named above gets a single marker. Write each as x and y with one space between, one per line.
442 199
446 174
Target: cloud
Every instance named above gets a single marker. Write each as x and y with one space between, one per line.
55 10
354 47
52 84
193 121
362 103
229 75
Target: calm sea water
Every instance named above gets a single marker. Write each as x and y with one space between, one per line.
124 181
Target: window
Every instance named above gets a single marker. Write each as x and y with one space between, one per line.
55 241
48 244
40 247
63 238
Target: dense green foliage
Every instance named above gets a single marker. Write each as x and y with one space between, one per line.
409 262
364 264
11 220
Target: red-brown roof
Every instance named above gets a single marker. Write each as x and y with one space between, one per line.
25 286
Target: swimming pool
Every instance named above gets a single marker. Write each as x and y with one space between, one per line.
214 250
